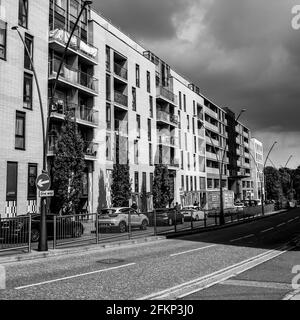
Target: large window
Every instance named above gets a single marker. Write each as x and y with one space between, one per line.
136 182
151 106
20 131
3 28
150 155
23 13
29 44
148 82
137 75
133 98
12 181
136 152
27 94
138 125
108 116
149 130
32 176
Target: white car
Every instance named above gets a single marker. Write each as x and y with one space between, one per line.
239 206
193 212
118 218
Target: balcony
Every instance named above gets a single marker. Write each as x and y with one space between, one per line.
211 127
212 156
214 171
74 77
120 71
167 95
174 163
83 114
58 38
121 99
167 141
211 113
168 118
121 127
200 117
90 148
213 142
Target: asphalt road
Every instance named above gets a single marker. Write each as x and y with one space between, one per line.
182 268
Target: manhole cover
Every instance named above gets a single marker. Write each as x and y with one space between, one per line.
110 261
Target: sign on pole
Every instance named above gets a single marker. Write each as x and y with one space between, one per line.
47 194
43 182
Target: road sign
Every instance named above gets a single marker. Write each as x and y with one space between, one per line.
43 182
47 194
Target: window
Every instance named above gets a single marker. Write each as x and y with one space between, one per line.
27 94
195 144
149 129
32 176
202 183
184 102
180 100
136 152
150 155
108 147
187 183
20 131
151 182
144 182
148 82
209 183
11 181
137 75
3 28
188 122
151 106
189 162
29 45
217 183
182 182
138 125
133 98
195 180
23 13
182 161
191 183
108 90
136 182
107 51
193 123
108 117
194 108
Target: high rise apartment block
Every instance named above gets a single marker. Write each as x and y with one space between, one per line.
129 104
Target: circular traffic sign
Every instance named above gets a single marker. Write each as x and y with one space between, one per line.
43 182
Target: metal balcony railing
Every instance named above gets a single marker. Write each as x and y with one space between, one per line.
80 112
167 94
120 71
62 36
73 75
166 140
121 98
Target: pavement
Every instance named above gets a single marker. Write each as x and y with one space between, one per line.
245 261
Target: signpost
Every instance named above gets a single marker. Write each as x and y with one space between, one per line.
43 182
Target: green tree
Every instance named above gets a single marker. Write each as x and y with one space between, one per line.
296 182
161 187
273 184
68 168
121 185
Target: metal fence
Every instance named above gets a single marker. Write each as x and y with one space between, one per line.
73 230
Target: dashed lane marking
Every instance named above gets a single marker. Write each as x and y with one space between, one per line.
193 250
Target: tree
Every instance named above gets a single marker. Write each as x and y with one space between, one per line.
161 187
68 168
296 182
273 184
121 185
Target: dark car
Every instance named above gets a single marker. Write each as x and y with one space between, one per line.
166 217
17 229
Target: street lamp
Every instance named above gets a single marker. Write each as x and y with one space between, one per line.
262 203
221 162
43 244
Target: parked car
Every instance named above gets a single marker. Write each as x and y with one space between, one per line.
239 206
17 229
166 217
192 212
118 218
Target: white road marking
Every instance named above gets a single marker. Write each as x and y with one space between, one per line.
257 284
290 220
185 289
267 230
246 237
75 276
189 251
281 224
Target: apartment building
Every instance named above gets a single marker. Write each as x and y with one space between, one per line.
129 104
257 167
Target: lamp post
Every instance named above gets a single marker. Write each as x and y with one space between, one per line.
262 203
43 243
221 163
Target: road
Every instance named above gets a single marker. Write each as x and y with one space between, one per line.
237 262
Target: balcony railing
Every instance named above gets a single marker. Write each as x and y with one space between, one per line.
211 113
167 94
121 98
90 148
62 36
166 140
121 127
120 71
170 118
211 126
80 112
212 171
73 75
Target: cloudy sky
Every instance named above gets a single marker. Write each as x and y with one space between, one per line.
241 53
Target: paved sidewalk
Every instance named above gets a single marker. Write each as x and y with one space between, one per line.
68 251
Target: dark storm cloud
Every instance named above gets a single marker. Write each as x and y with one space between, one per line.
241 53
144 19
